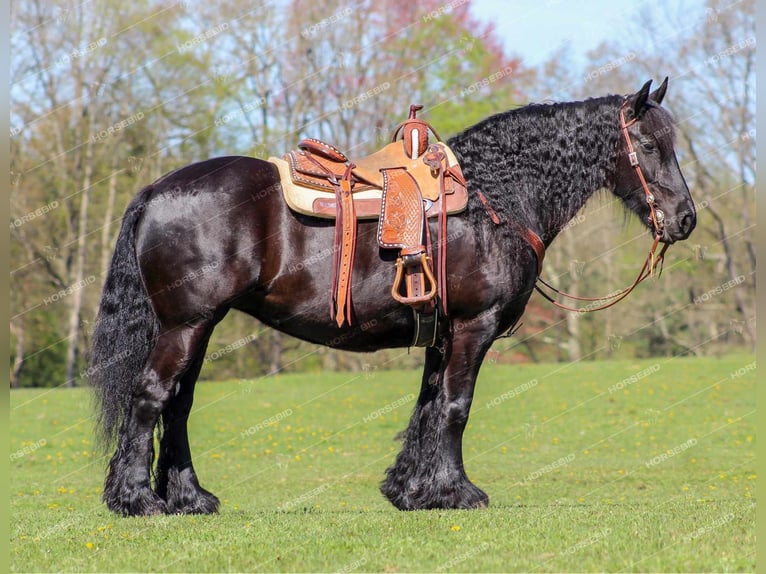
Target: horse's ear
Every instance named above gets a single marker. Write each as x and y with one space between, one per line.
658 94
637 102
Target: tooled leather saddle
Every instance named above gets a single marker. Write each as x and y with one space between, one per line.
401 185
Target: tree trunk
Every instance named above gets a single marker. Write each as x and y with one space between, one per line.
742 305
574 349
73 336
106 229
17 330
329 359
612 281
275 356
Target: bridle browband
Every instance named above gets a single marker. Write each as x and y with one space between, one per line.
652 261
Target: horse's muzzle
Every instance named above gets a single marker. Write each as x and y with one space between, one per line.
679 226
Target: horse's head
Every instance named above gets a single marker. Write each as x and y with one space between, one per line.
647 177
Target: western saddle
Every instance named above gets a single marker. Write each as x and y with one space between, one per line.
401 185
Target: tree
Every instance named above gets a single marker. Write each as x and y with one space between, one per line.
82 103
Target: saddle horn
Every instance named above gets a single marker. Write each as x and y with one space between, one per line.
414 133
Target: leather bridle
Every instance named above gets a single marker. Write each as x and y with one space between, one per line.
656 216
653 260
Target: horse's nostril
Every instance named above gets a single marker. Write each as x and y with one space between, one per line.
687 223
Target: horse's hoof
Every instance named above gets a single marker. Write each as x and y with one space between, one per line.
424 494
481 501
186 496
467 497
140 501
202 503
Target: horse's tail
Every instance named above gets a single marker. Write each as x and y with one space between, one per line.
125 329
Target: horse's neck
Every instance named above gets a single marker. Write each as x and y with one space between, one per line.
551 160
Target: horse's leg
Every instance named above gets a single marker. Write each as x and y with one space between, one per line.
428 472
176 481
127 488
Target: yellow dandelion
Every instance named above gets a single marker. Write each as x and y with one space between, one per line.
455 527
90 545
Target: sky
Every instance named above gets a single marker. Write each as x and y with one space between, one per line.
534 29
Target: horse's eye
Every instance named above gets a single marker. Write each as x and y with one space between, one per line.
648 145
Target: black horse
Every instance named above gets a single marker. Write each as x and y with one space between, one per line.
217 235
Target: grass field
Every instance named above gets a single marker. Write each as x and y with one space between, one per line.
604 466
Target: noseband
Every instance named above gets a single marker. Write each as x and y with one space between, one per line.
652 261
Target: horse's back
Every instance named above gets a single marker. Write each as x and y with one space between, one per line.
227 171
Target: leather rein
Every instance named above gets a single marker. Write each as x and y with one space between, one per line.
653 260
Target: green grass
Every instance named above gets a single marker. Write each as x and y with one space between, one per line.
576 476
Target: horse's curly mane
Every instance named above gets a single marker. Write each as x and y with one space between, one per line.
554 155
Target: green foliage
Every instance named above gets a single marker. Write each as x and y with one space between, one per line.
596 467
46 359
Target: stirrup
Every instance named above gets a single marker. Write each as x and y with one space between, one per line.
407 262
